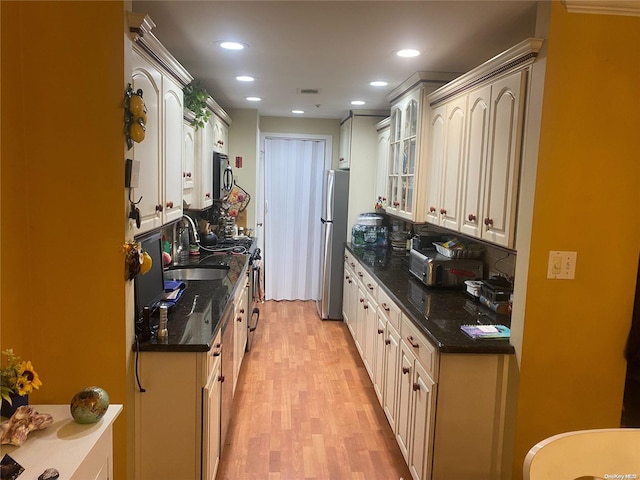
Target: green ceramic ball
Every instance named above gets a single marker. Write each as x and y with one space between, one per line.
89 405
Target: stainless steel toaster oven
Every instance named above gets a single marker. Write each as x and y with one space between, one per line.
435 270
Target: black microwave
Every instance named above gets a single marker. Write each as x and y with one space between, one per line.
222 176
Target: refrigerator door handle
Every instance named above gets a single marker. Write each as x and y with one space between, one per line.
325 221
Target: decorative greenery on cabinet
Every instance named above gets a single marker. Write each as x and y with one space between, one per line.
195 99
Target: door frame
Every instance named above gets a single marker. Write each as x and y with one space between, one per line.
261 207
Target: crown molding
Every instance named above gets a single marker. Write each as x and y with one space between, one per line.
140 26
218 111
604 7
433 79
515 58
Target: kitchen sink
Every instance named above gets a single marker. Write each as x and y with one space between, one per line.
197 272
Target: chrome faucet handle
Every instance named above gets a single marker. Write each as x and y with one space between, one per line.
196 237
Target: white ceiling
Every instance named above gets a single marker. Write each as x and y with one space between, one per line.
337 47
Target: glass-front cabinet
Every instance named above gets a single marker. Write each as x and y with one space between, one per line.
406 132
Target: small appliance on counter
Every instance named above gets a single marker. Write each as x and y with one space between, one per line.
436 270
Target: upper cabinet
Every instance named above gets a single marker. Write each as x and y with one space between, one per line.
384 129
475 137
160 154
405 166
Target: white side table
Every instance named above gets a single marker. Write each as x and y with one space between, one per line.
78 452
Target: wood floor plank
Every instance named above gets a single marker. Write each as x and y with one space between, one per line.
305 407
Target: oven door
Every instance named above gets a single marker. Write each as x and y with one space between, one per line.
255 296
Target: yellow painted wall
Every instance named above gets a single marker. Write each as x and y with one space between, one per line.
586 200
62 177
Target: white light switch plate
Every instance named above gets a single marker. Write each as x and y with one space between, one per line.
562 265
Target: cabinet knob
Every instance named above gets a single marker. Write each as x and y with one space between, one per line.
350 281
412 342
443 211
220 142
341 159
432 209
380 331
169 204
362 300
207 195
242 309
369 286
188 174
385 307
384 199
353 265
365 306
396 203
360 274
221 378
239 319
472 217
159 208
405 370
416 387
387 342
488 222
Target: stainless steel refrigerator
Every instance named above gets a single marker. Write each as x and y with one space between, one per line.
334 235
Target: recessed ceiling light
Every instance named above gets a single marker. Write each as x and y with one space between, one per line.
297 112
408 52
245 78
378 83
253 99
232 45
357 102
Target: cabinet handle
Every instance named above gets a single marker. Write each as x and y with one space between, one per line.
387 342
220 142
405 370
207 195
384 199
416 387
443 211
239 319
432 209
472 217
341 159
159 208
218 351
488 222
242 309
350 281
346 277
385 307
412 342
369 286
188 174
362 300
396 203
380 331
169 204
360 274
353 265
365 306
221 378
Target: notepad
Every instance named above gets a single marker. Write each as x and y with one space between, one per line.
486 331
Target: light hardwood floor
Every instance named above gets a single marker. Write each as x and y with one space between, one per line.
305 407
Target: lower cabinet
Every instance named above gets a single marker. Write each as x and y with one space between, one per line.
240 332
447 410
178 422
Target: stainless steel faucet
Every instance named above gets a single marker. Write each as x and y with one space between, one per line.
196 237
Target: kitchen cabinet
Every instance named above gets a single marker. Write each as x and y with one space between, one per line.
447 134
172 106
147 77
212 399
408 134
344 149
176 420
160 154
476 137
188 155
240 326
384 130
220 128
349 294
441 406
358 138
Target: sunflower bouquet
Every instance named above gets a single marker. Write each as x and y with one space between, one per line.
18 378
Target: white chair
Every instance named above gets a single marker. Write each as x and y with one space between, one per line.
609 453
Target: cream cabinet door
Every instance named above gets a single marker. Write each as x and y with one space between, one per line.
344 160
392 371
403 416
383 159
173 149
379 356
203 183
211 423
503 159
423 392
473 171
370 327
188 156
149 191
437 125
393 162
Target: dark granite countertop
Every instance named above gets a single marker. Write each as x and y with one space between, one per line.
195 320
438 313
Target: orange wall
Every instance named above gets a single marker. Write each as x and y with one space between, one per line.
586 200
62 178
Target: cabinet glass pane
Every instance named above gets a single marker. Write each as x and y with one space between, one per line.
411 119
392 191
410 146
395 126
409 205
